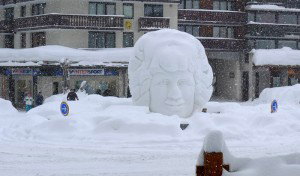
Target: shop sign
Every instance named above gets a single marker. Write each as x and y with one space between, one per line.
111 73
82 72
21 71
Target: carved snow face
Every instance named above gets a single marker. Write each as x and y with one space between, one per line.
172 93
169 73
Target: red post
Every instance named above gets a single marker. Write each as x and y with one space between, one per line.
213 165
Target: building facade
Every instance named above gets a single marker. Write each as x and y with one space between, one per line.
81 23
228 29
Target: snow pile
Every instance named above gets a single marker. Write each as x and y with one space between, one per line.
94 115
214 142
53 53
287 94
272 166
6 107
283 56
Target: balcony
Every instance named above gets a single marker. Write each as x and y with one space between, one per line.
211 16
271 30
6 26
219 44
69 22
6 2
153 23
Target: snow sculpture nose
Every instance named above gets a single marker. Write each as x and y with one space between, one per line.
174 93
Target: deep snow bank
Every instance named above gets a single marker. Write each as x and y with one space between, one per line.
6 107
287 94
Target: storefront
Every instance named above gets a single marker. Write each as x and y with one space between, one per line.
102 81
16 82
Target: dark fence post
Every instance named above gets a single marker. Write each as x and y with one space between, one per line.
212 161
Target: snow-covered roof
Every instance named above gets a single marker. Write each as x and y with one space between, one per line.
271 8
284 57
53 54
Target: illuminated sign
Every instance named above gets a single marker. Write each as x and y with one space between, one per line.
73 72
21 71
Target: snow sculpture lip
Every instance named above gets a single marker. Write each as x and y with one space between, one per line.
169 73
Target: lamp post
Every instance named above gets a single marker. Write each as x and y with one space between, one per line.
65 64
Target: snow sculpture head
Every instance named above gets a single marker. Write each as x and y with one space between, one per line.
169 72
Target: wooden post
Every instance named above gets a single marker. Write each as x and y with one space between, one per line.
213 165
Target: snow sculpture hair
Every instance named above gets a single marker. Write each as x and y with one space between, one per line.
169 51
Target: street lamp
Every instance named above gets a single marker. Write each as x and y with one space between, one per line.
65 64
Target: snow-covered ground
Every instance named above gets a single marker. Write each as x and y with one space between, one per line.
109 136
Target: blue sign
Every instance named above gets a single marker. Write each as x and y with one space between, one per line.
64 108
274 106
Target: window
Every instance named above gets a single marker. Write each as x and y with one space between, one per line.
151 10
287 43
223 32
191 29
222 5
102 40
265 17
100 8
38 9
265 44
38 39
287 18
231 75
9 41
250 44
128 39
128 10
189 4
251 17
23 11
23 40
9 14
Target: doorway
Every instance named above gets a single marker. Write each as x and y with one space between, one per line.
245 86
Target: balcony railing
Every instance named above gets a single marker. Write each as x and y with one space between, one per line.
153 23
6 2
6 26
70 22
222 44
211 16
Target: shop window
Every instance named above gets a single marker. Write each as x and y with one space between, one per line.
222 5
265 17
265 44
287 18
9 41
153 10
22 11
128 39
223 32
287 43
23 40
191 29
100 8
38 9
189 4
128 10
250 44
102 40
9 14
276 81
38 39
